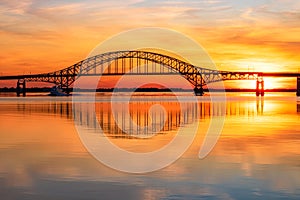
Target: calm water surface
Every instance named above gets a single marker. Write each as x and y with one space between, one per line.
256 157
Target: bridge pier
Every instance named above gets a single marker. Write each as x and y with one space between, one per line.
21 87
298 86
198 91
260 88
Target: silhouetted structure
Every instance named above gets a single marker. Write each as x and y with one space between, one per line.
298 86
146 63
21 87
260 85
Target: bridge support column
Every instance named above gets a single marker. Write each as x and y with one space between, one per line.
24 88
18 88
21 87
260 88
198 91
298 86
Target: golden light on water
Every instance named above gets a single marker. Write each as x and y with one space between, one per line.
259 141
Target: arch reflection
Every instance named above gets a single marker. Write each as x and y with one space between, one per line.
144 117
116 124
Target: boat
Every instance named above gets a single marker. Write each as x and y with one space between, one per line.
57 91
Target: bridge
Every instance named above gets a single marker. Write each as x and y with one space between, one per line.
136 62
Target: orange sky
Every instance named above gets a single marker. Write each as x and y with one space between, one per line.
42 36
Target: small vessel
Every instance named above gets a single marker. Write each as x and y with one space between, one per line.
57 91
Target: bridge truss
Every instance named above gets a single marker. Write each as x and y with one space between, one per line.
139 63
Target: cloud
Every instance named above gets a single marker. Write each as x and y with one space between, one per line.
64 31
267 15
64 9
15 6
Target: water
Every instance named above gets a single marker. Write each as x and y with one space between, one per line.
256 157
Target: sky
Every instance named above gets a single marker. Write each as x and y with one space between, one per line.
39 36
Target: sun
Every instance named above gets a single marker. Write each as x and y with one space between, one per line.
262 65
271 83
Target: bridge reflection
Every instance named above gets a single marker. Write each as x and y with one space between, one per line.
139 118
142 118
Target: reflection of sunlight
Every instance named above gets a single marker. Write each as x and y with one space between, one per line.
263 148
247 168
153 194
277 107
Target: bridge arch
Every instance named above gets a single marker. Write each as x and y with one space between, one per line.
197 76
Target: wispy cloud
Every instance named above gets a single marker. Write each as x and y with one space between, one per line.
34 31
14 6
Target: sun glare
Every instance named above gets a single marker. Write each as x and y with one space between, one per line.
261 66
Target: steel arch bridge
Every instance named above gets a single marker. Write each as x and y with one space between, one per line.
131 63
140 63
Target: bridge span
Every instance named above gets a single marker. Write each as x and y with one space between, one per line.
143 63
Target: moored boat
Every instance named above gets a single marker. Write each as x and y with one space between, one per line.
57 91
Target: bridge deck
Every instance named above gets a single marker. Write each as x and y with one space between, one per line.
263 74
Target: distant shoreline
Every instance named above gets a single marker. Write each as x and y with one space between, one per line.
47 89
